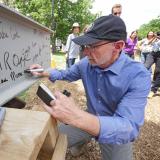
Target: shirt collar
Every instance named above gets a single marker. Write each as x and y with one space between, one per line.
116 66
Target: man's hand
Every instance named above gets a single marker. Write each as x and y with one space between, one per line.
65 110
39 74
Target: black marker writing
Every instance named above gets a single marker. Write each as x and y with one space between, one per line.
34 44
1 67
14 33
35 57
20 60
3 35
40 50
3 80
15 36
6 57
14 75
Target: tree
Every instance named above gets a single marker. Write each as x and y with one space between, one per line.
8 2
153 25
39 10
65 14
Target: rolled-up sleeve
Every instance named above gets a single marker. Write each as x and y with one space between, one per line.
123 126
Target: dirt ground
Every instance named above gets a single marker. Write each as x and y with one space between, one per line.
146 147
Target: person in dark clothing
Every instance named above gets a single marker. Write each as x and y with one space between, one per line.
154 57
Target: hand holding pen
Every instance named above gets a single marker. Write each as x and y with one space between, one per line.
37 70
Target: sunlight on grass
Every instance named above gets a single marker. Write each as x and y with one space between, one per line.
60 60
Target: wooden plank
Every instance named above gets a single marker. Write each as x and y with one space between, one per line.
22 134
60 148
53 132
47 149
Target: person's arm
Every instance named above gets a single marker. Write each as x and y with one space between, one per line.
126 43
123 126
68 43
152 40
66 110
71 74
141 42
39 74
158 43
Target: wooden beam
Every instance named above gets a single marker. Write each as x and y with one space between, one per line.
23 133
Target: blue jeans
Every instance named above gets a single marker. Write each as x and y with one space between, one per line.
70 62
77 137
144 58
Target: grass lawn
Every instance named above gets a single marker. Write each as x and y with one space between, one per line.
60 60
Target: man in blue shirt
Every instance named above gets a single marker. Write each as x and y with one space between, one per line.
116 89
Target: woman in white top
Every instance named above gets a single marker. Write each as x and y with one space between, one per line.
147 46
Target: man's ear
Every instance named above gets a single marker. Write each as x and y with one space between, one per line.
119 45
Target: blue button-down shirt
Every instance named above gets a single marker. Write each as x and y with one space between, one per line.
117 95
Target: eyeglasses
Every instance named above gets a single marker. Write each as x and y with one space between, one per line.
93 47
117 13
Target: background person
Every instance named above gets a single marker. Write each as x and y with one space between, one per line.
147 46
117 10
81 55
154 57
115 100
72 49
130 44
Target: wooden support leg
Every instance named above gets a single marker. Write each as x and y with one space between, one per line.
48 147
60 148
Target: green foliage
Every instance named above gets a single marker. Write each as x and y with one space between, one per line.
65 14
8 2
39 10
153 25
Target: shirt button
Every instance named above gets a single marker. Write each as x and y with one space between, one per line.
100 75
99 101
99 89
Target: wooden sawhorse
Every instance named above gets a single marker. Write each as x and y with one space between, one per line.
31 135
